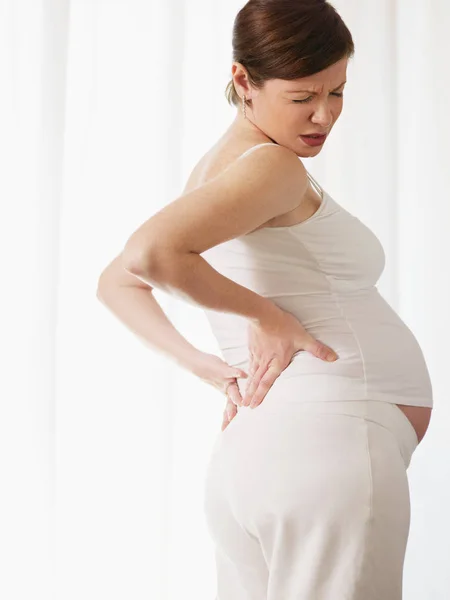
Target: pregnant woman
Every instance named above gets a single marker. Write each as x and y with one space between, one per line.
306 491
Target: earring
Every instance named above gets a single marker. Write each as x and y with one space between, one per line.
244 106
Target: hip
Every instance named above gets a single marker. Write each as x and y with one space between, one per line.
417 409
287 430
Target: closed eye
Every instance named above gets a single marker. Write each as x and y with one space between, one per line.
339 94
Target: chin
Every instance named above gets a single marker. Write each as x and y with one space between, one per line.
310 152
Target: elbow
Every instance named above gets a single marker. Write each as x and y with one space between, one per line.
137 261
102 286
157 266
99 295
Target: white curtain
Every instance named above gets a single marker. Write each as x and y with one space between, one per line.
105 107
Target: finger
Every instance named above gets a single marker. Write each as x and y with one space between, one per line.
228 414
225 422
252 368
231 410
234 394
266 382
225 418
253 384
320 350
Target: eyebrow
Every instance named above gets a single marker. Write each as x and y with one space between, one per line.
312 92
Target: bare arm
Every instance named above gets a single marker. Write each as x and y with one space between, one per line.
133 303
165 251
192 279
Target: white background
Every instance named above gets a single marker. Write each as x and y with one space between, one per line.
105 107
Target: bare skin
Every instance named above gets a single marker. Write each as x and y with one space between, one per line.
245 133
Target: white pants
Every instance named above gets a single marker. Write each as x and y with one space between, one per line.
310 501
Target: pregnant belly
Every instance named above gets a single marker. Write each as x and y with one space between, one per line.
379 356
419 417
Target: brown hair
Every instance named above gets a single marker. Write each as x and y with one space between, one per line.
287 39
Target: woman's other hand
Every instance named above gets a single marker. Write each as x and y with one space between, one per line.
215 371
229 413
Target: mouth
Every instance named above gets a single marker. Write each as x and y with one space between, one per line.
314 139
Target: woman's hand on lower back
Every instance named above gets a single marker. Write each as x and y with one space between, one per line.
272 345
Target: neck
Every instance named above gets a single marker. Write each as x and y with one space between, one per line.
245 127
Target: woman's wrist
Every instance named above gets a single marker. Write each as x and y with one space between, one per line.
268 313
189 358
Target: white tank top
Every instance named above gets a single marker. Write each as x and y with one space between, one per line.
324 271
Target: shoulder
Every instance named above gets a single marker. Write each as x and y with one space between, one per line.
268 178
263 182
263 165
268 166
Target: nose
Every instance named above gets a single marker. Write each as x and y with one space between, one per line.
323 116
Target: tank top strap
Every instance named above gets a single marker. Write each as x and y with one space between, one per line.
317 186
257 146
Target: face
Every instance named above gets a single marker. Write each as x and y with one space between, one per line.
286 110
